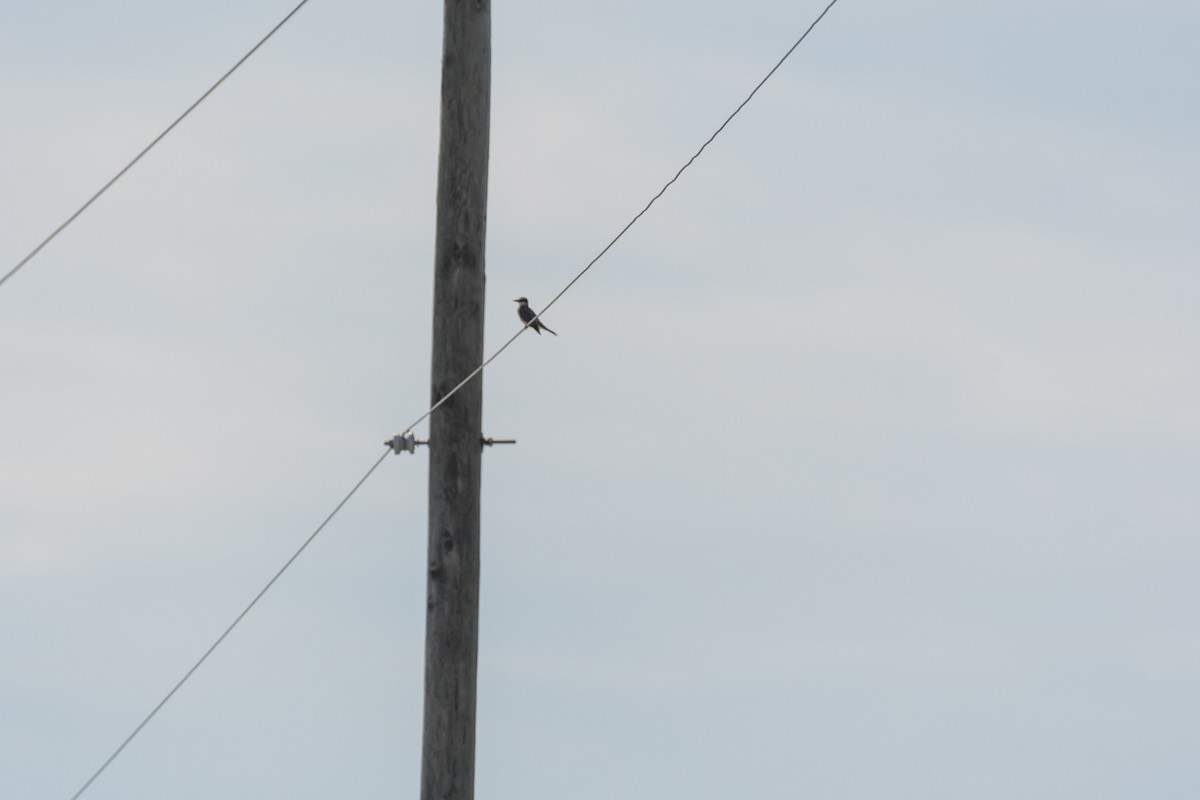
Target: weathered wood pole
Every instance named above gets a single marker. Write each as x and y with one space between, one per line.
455 429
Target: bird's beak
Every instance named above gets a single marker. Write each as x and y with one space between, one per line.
517 300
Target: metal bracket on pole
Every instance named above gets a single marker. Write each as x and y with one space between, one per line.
407 442
404 443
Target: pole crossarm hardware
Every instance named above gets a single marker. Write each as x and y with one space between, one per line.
407 442
404 443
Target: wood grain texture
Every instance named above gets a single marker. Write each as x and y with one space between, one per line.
455 430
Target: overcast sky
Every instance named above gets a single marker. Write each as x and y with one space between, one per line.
864 466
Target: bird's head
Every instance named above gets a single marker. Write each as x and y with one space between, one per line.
522 300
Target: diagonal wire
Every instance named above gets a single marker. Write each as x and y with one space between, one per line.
232 625
148 147
435 406
631 222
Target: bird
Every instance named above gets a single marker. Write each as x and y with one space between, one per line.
531 319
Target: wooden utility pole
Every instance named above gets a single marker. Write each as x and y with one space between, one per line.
455 429
451 621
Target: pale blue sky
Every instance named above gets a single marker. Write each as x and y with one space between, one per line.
865 466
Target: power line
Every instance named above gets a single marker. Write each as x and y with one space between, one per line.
631 222
148 147
232 625
436 405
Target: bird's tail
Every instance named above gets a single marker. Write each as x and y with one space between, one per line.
547 330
